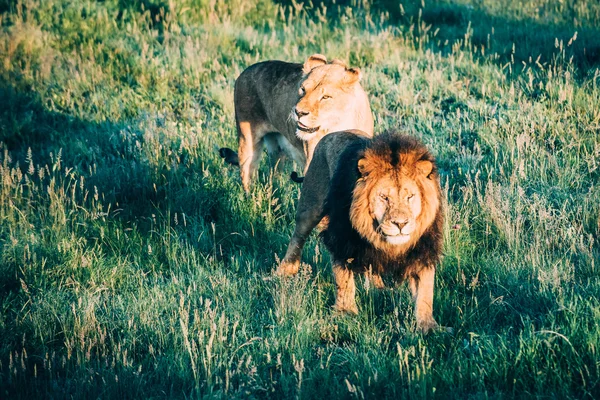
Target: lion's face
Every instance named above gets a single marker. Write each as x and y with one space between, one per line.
330 95
394 203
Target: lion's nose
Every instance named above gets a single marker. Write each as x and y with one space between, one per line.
300 113
400 222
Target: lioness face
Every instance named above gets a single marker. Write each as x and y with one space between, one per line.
395 204
326 95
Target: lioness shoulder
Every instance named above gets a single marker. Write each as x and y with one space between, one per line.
382 199
289 107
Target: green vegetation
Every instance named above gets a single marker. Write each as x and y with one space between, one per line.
132 264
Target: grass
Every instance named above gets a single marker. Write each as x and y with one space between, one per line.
132 264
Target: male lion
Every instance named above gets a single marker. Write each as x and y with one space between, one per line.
382 199
290 107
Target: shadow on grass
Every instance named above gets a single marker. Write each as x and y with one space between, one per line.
104 153
115 158
112 156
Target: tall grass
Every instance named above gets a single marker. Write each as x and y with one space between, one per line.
133 265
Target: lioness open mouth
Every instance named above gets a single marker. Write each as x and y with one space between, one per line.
304 128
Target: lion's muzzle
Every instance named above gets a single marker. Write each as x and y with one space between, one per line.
397 230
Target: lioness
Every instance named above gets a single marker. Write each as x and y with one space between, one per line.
382 199
290 107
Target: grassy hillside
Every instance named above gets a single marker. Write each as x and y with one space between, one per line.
132 264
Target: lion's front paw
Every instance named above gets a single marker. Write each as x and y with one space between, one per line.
349 309
428 325
287 268
346 304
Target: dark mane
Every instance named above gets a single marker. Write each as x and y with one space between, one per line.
390 145
344 242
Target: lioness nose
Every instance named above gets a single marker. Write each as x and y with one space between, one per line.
300 113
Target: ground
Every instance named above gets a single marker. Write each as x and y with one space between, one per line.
133 265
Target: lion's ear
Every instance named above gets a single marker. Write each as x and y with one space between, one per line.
353 75
314 61
362 167
424 167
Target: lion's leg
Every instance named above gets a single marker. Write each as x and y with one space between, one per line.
372 278
412 284
310 212
305 223
375 279
421 286
249 151
346 288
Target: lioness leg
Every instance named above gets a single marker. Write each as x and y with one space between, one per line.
345 288
251 141
276 155
421 286
249 153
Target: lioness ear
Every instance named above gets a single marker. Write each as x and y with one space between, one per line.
314 61
353 75
362 167
424 167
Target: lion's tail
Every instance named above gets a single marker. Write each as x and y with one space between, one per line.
230 156
298 179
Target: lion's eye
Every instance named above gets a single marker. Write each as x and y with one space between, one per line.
410 197
301 91
325 97
383 197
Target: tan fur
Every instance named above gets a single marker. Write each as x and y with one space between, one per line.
377 178
279 104
394 210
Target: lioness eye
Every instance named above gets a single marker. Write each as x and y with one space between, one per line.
383 197
325 97
301 91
